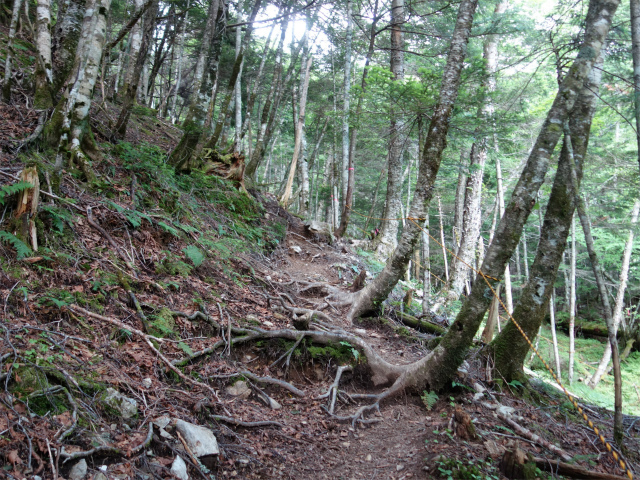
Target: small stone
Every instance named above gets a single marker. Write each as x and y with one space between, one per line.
346 444
399 467
125 407
504 410
251 318
100 476
268 323
79 470
368 458
162 422
103 468
179 468
295 249
239 389
274 405
165 434
268 278
360 331
147 382
114 426
201 440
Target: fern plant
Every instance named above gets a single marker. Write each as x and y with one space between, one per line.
194 254
429 399
8 190
20 247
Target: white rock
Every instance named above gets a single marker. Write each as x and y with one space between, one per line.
126 407
239 389
478 396
295 249
163 421
179 468
360 331
504 410
79 470
147 383
369 458
273 404
479 388
201 440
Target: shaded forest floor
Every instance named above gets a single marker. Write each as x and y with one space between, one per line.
189 244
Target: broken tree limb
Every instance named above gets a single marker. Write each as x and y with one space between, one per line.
420 325
574 471
526 433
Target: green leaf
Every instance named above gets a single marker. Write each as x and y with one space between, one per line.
194 254
21 248
8 190
169 228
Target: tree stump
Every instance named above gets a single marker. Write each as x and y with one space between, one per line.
27 208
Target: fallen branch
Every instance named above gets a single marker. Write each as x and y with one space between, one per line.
574 471
420 325
273 381
534 437
240 423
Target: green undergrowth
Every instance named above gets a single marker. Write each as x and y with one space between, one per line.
588 355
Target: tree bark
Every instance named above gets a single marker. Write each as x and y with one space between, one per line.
131 87
6 83
135 42
617 310
237 142
43 98
618 431
212 143
552 317
286 196
370 298
635 49
346 106
510 348
351 174
70 120
387 239
572 301
206 66
180 63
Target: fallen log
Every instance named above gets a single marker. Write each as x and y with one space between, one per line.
420 325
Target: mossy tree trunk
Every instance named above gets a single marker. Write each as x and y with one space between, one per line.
66 36
131 85
43 98
69 125
509 347
6 83
206 65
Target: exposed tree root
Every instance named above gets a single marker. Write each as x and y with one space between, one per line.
333 388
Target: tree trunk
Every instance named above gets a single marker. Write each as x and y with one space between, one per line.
6 84
238 147
135 41
43 98
70 121
552 317
66 37
212 143
635 48
372 296
206 66
180 63
442 243
131 86
351 174
510 347
286 196
618 432
426 267
346 101
617 311
572 301
458 213
387 239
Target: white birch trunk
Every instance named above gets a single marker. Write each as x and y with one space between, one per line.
572 299
6 85
44 74
346 102
180 63
238 86
617 311
135 38
552 316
